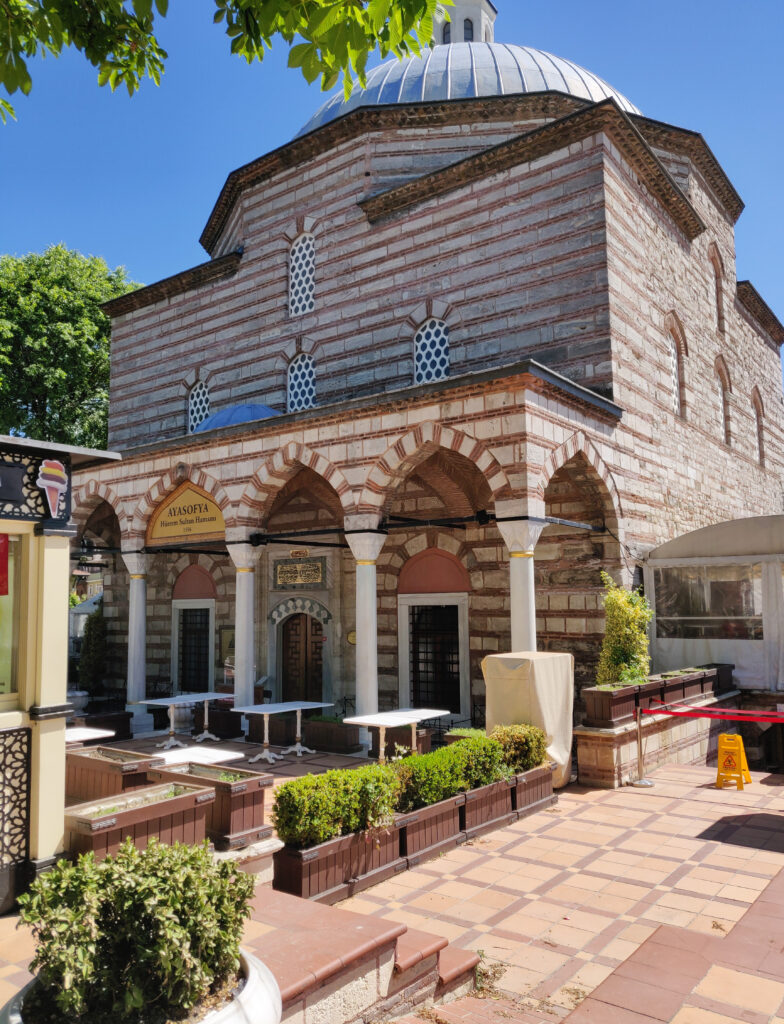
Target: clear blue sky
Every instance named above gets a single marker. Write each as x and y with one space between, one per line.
133 180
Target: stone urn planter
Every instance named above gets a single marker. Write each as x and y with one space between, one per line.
340 867
334 737
258 1001
431 830
97 772
489 807
533 790
606 709
172 813
236 817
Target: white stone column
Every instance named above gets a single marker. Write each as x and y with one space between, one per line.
245 558
521 537
137 566
366 547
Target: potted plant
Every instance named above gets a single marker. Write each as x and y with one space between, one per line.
236 817
104 771
148 934
524 750
339 833
170 812
323 732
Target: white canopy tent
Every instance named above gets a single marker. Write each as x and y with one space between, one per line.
717 596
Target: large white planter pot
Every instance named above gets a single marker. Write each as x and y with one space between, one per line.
259 1001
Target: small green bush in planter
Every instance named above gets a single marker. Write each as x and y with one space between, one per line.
481 761
625 643
315 808
427 778
467 733
524 746
141 931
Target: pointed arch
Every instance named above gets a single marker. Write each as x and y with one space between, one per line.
678 352
277 470
718 277
725 390
578 443
759 417
300 606
419 444
168 482
86 498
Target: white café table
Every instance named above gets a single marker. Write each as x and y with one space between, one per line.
280 709
86 734
384 720
183 700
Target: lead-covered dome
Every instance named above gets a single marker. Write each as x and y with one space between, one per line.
461 71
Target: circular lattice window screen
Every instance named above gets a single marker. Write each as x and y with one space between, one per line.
431 352
302 383
302 275
198 405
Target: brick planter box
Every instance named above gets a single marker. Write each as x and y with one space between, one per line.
282 729
533 790
334 737
97 772
605 709
222 722
340 867
400 736
170 813
236 817
489 807
430 830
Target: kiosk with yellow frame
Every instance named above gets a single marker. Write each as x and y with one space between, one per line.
35 531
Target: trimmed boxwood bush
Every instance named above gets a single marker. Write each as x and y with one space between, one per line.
524 746
427 778
142 935
315 808
466 734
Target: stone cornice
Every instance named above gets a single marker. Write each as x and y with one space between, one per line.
752 301
357 122
604 117
212 270
693 145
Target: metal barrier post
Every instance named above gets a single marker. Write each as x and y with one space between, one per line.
640 782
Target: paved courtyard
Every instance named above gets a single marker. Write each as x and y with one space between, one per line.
558 902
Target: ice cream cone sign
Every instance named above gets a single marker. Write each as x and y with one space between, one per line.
53 481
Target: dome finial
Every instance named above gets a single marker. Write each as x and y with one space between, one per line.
470 21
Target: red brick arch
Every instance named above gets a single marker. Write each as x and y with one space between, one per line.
86 498
167 482
578 443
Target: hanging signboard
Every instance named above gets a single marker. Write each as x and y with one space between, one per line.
187 516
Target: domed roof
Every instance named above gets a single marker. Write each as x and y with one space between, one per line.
461 71
234 414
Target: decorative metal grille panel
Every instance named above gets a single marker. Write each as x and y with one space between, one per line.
302 383
198 405
194 649
302 275
14 796
21 496
435 656
431 352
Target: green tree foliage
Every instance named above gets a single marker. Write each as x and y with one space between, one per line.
327 38
624 658
54 344
92 658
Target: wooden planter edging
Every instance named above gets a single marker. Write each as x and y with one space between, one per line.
533 791
101 829
97 772
334 737
608 709
489 807
340 867
431 830
236 817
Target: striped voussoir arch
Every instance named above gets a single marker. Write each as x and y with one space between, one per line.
579 444
167 483
88 495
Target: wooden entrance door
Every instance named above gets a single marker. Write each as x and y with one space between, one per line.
303 658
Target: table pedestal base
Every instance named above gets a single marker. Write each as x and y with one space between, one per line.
172 741
298 749
206 735
266 755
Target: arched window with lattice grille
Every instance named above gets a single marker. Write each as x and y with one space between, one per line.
302 275
431 352
301 383
198 405
759 418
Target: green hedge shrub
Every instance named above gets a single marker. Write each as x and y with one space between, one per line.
158 926
315 808
523 746
467 733
427 778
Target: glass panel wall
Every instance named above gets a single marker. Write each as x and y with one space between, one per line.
712 602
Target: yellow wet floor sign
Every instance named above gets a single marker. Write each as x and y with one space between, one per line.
733 766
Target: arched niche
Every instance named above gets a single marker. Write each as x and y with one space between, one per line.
433 571
194 583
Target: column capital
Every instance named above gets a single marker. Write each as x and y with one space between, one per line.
364 522
521 535
244 556
366 547
136 564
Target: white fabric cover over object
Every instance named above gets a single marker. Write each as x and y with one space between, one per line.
536 688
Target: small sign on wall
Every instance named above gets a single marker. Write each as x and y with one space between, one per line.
300 574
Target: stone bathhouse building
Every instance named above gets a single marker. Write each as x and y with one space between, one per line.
483 301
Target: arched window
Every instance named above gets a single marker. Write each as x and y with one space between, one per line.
302 275
725 388
302 383
718 286
447 34
676 375
198 405
431 352
759 417
468 30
